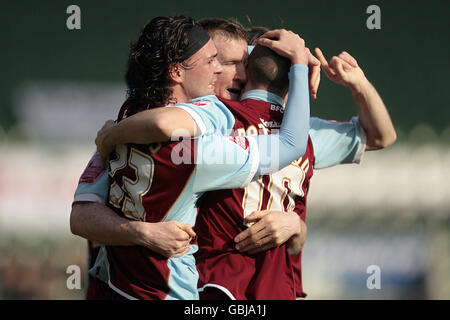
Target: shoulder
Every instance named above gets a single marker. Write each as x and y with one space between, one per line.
204 100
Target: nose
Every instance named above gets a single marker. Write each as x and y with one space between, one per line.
218 68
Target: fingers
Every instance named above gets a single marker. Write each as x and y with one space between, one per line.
273 34
180 252
314 80
346 66
269 38
287 44
181 246
349 59
254 242
253 237
265 42
108 124
256 215
312 61
247 234
264 247
336 69
323 62
100 142
187 229
338 65
321 57
314 73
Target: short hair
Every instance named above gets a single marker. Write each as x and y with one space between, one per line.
230 28
268 69
253 33
161 43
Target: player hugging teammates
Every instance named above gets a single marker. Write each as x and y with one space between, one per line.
162 224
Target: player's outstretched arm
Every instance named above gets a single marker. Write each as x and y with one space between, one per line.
373 114
154 125
98 223
292 141
189 119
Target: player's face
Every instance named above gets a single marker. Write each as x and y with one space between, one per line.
201 76
233 55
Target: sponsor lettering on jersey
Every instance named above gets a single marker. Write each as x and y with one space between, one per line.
200 103
270 123
276 107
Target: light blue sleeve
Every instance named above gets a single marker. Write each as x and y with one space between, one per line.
232 162
210 114
336 142
93 185
224 162
279 150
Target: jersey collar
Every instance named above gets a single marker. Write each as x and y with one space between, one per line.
263 96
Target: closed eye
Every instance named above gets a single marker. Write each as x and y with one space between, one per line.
214 57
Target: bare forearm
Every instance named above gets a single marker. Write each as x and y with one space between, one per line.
98 223
140 128
156 125
373 117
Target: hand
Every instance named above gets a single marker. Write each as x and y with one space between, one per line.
287 44
314 74
169 238
342 69
297 242
272 228
102 147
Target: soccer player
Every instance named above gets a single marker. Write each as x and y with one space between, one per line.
228 278
246 265
143 176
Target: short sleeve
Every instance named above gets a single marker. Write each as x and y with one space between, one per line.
225 162
336 142
210 114
93 184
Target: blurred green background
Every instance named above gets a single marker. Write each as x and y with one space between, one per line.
407 59
59 85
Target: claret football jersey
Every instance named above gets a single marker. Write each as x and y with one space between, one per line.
162 182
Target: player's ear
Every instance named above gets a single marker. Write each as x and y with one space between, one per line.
176 73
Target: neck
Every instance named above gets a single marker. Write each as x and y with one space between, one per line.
251 86
179 94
